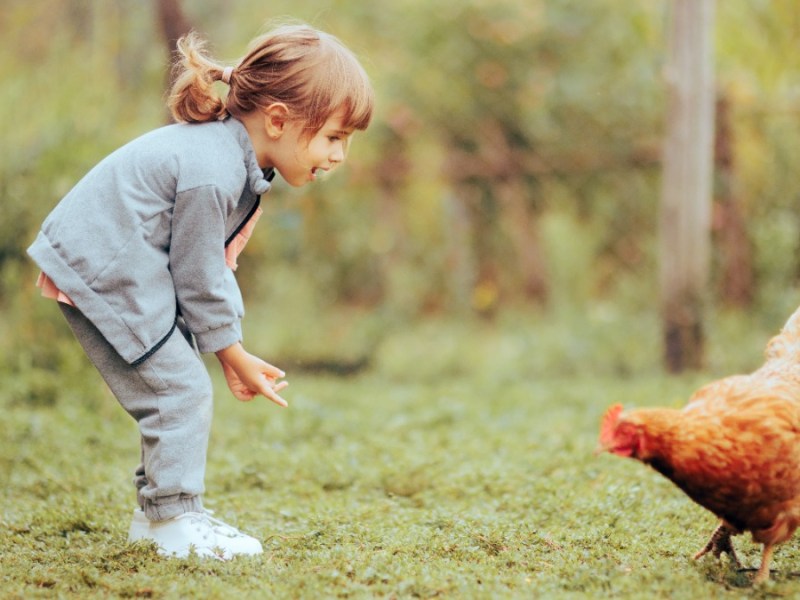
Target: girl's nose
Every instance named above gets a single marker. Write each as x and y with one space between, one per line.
337 156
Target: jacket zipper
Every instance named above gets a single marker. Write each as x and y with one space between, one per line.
269 176
244 222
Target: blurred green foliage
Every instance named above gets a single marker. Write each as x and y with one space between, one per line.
552 109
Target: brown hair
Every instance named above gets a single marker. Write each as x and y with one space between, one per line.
309 71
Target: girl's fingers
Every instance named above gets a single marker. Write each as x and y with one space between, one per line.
274 372
270 389
276 399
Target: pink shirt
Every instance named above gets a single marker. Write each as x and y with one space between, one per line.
237 244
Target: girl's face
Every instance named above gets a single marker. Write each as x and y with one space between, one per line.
299 159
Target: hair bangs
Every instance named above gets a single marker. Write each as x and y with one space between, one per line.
359 106
340 83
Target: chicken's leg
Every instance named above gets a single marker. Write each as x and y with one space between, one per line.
721 542
763 571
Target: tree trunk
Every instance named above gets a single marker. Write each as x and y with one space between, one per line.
495 169
736 285
173 23
461 262
687 182
521 225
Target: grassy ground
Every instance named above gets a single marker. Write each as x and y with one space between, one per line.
472 482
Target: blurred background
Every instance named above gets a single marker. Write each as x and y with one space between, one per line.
499 216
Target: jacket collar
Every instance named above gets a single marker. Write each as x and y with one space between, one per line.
258 178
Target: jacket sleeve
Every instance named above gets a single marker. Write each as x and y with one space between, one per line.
206 290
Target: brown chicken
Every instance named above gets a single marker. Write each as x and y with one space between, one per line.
734 448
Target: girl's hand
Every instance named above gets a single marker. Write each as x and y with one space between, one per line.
247 375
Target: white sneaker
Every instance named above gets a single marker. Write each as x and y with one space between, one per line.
140 526
231 538
198 532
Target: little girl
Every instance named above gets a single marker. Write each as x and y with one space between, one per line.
140 254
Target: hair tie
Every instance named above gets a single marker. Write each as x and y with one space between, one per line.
226 75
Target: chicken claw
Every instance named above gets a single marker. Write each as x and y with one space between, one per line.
721 542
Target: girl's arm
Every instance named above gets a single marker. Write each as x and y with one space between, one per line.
247 375
205 287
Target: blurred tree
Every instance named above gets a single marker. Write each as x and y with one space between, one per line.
478 96
390 235
172 21
735 251
173 24
686 184
535 110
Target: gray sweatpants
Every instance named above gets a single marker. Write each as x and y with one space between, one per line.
170 396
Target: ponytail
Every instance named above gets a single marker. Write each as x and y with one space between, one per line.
193 98
309 71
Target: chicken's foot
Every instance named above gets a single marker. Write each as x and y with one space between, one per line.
721 542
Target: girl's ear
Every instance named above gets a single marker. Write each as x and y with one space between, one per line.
275 118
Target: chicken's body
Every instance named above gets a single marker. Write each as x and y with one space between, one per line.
734 448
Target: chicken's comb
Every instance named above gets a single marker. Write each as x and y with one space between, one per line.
609 422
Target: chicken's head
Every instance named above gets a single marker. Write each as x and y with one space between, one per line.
618 436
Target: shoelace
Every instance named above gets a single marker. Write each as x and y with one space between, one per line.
202 524
220 527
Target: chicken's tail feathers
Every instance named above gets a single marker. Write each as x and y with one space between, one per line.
607 426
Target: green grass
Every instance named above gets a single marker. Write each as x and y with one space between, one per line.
451 479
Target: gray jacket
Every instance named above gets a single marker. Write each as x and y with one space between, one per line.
141 238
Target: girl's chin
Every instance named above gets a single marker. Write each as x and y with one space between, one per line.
296 181
300 183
